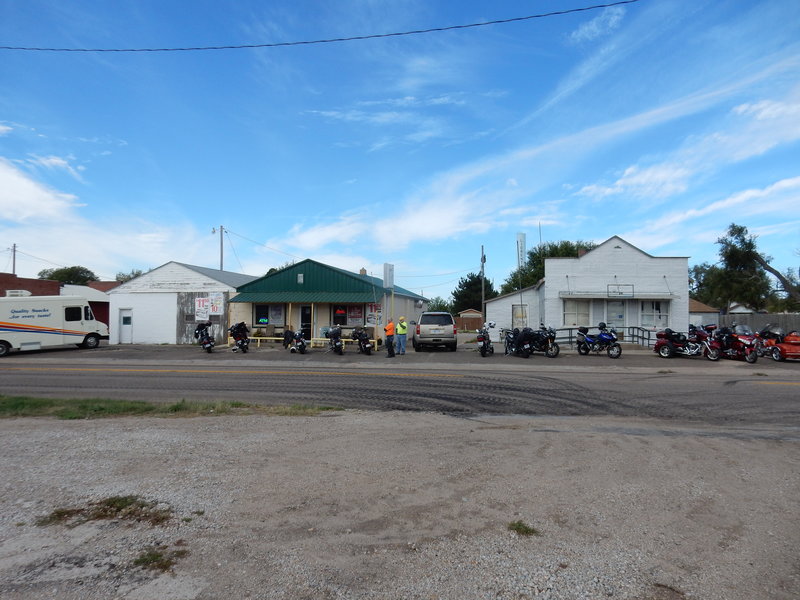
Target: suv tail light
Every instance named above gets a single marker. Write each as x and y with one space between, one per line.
417 329
455 329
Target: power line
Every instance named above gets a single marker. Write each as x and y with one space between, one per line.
329 41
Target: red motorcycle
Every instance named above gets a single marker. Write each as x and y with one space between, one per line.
772 342
737 343
671 343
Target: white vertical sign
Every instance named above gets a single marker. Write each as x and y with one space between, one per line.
521 249
388 275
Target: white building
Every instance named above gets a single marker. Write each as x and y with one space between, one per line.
164 305
615 283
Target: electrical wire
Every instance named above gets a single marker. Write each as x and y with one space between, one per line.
328 41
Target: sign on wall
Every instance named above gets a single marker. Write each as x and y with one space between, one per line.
217 302
202 309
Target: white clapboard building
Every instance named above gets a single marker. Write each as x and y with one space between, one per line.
616 283
163 306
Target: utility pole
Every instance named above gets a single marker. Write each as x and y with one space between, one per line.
483 287
214 230
13 259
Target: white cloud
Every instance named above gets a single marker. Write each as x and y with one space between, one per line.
5 129
601 25
56 163
23 199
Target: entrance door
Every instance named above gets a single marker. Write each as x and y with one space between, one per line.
305 321
125 326
615 315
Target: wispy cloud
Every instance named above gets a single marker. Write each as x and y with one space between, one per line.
24 199
606 22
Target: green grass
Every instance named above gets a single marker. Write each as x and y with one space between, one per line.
159 558
521 528
24 406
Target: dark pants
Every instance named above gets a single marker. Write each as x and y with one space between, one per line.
390 345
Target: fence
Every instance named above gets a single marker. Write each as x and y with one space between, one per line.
786 321
631 335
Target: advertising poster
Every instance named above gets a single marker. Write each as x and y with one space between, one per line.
355 315
202 307
217 300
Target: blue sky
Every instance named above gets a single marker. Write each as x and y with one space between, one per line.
659 121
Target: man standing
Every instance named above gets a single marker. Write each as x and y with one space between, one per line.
389 330
402 332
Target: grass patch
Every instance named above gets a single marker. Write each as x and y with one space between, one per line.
665 371
24 406
129 508
760 374
521 528
160 558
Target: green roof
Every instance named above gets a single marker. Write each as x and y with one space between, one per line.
307 297
310 281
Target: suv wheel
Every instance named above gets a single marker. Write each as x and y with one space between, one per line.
453 347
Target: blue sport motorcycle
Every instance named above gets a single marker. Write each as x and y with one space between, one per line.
606 340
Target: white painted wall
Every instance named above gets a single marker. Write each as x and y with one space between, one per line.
499 310
154 317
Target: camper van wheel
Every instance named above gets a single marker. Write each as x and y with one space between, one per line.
4 348
92 341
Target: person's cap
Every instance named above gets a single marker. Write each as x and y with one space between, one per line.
402 318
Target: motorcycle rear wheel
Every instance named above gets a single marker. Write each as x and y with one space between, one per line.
776 355
552 350
614 351
751 357
712 354
301 349
483 350
666 351
583 348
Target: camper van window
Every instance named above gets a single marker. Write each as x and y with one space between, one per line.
87 313
72 313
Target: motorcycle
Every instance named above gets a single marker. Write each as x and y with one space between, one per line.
362 337
544 340
335 343
203 336
518 341
736 343
670 343
297 343
484 341
772 342
606 340
240 338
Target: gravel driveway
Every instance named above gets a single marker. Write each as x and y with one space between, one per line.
402 505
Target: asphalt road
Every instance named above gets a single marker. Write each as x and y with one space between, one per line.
462 383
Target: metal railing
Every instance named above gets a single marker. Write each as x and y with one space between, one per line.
630 335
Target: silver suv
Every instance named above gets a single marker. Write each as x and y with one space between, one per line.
435 329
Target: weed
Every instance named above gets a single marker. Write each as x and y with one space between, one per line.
160 558
130 508
521 528
760 374
665 371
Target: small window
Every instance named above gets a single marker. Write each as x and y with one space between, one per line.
261 314
126 320
300 278
87 313
339 314
73 313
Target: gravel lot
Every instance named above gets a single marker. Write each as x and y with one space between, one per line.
403 505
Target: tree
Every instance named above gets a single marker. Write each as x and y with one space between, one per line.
468 293
438 304
747 267
707 284
533 270
74 275
123 277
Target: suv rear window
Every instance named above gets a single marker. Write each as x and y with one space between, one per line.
435 320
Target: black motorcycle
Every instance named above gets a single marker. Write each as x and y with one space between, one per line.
202 334
297 343
335 343
241 341
518 341
544 340
362 337
484 341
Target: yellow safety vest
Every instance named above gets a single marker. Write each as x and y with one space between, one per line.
402 328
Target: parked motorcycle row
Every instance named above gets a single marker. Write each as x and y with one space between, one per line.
737 342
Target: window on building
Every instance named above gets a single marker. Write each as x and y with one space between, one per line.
576 313
655 314
261 314
339 314
519 315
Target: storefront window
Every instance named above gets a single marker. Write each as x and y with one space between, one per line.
655 314
261 314
339 314
576 313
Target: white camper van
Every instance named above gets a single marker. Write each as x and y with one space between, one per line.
35 322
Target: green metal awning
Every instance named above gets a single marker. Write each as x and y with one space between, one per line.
302 297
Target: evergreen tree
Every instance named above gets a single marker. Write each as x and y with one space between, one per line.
468 293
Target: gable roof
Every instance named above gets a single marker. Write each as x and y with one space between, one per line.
695 306
227 277
312 281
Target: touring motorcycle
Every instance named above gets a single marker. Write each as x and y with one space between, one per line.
362 337
202 334
670 343
518 341
737 343
772 342
335 343
544 340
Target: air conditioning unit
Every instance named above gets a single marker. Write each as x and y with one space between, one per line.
17 293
